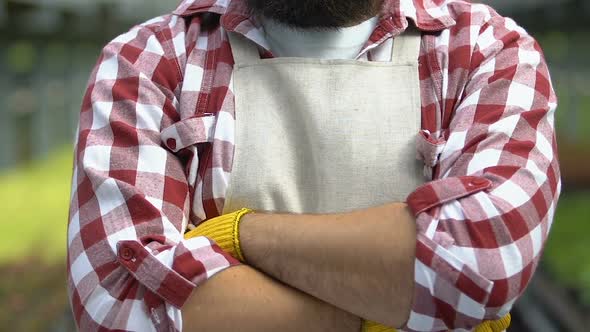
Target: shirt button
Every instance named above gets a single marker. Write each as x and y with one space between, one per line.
127 253
171 142
479 182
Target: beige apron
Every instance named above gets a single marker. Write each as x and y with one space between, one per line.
324 136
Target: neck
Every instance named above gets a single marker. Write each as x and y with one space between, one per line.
343 43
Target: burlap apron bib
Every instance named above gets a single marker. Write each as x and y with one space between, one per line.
324 136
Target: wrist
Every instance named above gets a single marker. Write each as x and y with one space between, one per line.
251 234
238 219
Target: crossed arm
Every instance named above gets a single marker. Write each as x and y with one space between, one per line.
244 299
340 266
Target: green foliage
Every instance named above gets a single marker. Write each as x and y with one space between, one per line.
567 248
35 202
33 297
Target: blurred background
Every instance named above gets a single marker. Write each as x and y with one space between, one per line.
47 49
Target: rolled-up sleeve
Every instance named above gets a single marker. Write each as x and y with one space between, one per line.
129 268
483 221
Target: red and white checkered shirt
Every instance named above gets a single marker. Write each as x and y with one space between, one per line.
156 139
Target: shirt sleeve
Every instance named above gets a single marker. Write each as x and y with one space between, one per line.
483 221
129 268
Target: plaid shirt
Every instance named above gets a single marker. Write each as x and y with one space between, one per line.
155 146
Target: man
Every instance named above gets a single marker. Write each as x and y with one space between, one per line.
306 113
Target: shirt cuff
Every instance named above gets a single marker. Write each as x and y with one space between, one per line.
438 192
448 293
174 273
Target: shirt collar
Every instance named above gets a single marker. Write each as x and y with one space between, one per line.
428 15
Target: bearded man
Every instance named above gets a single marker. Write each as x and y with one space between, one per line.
250 165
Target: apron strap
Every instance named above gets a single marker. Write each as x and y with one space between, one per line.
406 47
243 49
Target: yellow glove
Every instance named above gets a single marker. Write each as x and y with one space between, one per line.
494 325
370 326
224 230
488 326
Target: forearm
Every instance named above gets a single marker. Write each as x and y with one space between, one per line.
243 299
362 262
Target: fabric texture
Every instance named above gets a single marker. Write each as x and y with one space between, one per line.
303 128
155 144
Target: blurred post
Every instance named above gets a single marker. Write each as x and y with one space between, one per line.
23 103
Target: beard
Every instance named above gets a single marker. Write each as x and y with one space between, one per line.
318 14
